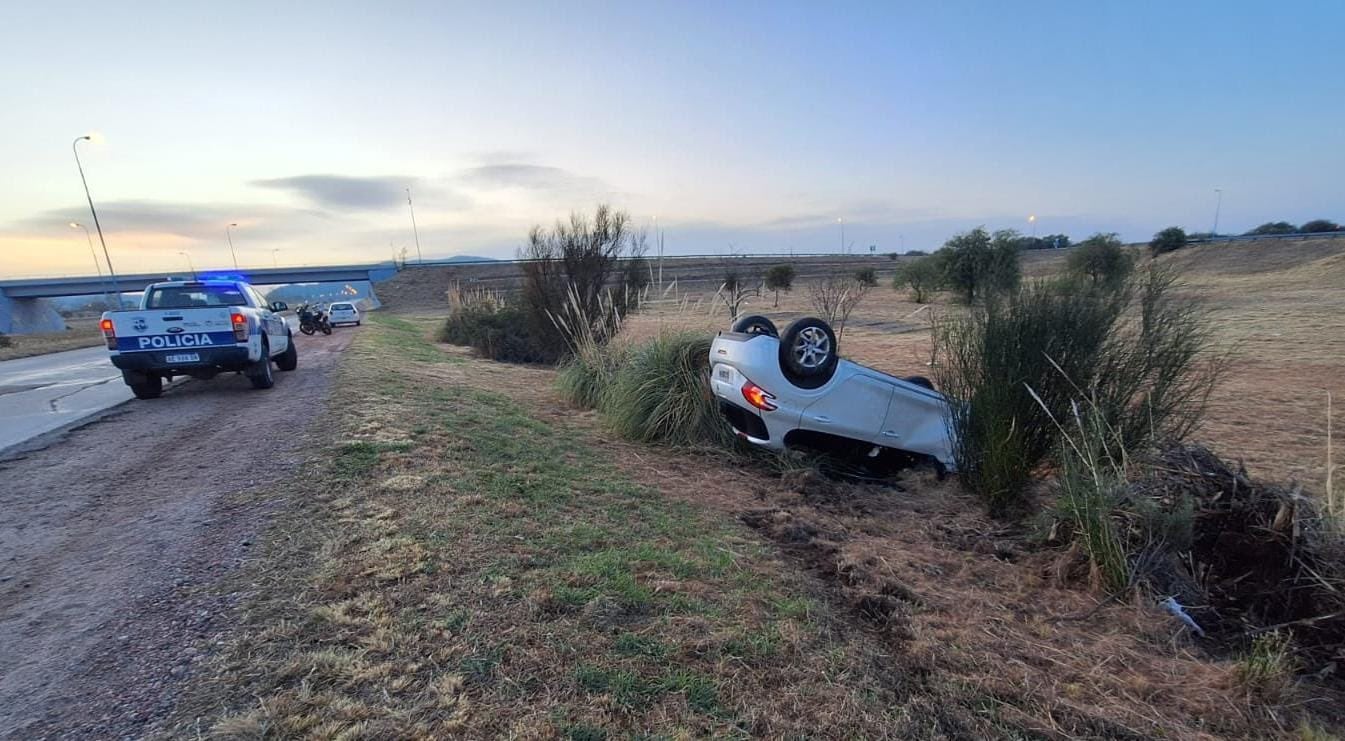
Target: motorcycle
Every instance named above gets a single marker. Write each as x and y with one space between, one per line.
313 320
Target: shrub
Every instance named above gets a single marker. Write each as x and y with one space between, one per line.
1319 226
581 274
661 393
1169 240
834 298
867 277
4 340
586 376
1273 228
975 264
780 278
737 286
923 276
499 332
1102 260
1268 667
1137 351
915 253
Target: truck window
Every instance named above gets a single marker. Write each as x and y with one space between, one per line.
193 297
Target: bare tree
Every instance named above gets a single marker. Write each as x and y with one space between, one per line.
736 288
834 298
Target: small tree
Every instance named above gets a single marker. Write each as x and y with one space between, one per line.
1271 228
736 288
834 299
975 264
780 278
1318 226
922 276
1101 259
867 277
1170 239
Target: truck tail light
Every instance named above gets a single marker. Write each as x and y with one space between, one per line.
240 324
758 397
109 333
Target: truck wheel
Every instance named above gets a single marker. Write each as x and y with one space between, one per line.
152 388
260 373
808 352
288 360
756 324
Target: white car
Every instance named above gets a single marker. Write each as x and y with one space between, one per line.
794 390
343 313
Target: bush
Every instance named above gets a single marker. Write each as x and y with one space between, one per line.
1273 228
780 278
1169 240
587 375
582 276
1101 260
1022 362
1319 226
975 264
923 276
834 299
661 393
4 340
867 277
499 332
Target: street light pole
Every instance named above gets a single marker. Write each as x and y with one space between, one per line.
231 244
107 294
841 221
1218 202
1033 221
275 263
189 264
74 147
419 257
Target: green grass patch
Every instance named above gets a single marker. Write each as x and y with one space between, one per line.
409 339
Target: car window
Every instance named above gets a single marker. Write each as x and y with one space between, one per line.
342 307
192 297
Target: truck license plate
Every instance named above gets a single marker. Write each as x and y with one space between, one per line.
186 357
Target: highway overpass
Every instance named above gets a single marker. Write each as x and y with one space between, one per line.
22 308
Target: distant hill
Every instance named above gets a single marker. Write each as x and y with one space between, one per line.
463 258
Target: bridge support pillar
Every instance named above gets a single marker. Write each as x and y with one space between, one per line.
29 316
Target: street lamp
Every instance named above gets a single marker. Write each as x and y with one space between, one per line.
107 294
1218 202
1033 221
231 244
419 258
189 264
841 221
274 262
74 147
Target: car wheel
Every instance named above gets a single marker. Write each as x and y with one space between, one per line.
920 381
808 352
261 375
756 324
152 388
288 360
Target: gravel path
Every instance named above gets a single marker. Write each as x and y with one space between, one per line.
110 538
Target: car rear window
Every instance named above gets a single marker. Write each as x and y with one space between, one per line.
192 297
342 307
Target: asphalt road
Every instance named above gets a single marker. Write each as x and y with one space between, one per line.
44 395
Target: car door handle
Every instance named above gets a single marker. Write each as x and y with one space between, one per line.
891 433
822 418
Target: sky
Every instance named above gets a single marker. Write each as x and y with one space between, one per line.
734 126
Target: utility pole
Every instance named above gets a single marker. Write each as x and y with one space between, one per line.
74 147
107 293
419 257
1218 202
232 254
841 221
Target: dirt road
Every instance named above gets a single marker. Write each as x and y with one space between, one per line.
109 537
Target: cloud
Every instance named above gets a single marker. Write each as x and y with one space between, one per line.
525 176
345 192
193 220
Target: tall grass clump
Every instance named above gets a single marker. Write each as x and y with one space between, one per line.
661 393
1137 351
1092 482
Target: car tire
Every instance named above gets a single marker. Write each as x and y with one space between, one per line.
920 381
357 324
152 388
756 324
260 374
808 352
288 360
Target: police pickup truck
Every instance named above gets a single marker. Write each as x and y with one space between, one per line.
198 328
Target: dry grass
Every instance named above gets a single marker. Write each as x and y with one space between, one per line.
81 333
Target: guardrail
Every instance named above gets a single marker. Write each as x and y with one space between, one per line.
1256 237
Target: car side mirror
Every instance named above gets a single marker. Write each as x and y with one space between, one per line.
279 306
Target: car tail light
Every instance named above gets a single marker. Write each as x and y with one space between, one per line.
109 333
240 323
758 397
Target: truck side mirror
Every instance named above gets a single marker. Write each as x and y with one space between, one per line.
279 306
